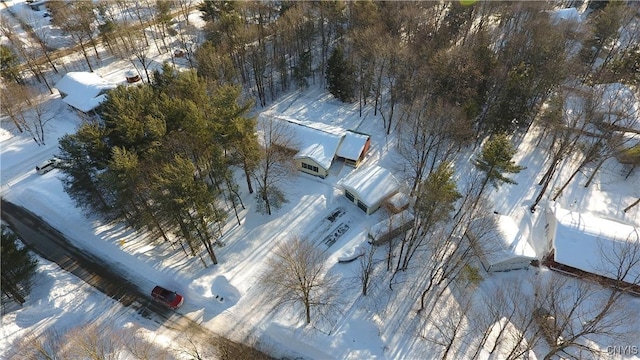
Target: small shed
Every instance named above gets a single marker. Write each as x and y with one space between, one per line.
353 148
368 188
83 90
132 76
398 202
390 228
499 244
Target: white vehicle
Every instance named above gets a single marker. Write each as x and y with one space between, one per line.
48 165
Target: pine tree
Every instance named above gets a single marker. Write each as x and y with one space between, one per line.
341 76
435 200
495 160
9 70
17 266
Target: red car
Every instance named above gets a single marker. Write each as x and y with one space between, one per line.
170 298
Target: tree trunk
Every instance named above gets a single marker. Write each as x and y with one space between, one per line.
632 205
547 180
595 171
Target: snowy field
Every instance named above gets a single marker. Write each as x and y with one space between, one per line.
377 326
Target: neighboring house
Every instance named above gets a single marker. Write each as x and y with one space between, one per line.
318 144
583 243
500 244
390 228
83 90
353 148
368 188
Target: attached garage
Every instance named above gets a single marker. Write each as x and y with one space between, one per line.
368 188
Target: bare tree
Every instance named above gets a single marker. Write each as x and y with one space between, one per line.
367 267
95 341
449 327
29 54
28 111
136 48
297 274
77 19
585 313
278 148
565 130
427 131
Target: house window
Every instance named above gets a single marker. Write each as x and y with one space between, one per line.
349 195
309 167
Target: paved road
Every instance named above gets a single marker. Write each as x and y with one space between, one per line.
50 244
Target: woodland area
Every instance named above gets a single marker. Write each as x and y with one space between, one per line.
443 75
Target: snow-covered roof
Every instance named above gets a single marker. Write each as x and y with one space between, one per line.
83 103
594 244
399 200
83 90
619 102
316 141
568 14
504 241
352 145
371 184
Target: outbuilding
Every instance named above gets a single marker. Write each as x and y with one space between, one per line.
500 244
591 244
390 228
368 188
353 148
83 90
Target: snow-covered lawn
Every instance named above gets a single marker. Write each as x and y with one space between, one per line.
371 327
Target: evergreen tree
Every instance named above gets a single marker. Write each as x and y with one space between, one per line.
495 160
17 267
435 200
341 76
9 65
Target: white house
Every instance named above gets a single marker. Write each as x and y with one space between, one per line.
593 244
368 188
83 90
500 244
316 143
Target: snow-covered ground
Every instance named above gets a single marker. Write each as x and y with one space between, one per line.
361 332
377 326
